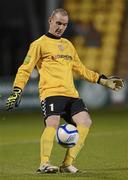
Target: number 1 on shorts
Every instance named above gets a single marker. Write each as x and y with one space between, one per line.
52 107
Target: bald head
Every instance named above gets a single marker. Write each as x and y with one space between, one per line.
58 22
61 11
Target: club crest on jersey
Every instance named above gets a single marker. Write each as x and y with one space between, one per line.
61 47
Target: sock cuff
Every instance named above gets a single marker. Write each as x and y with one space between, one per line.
50 130
82 128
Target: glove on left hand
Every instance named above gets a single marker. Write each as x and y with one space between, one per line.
114 83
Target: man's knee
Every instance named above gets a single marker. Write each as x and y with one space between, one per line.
88 122
82 118
53 121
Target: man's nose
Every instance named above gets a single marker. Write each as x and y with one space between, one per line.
61 27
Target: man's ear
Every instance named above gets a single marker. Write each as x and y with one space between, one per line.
49 20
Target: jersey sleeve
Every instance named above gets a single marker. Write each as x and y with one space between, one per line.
28 65
84 72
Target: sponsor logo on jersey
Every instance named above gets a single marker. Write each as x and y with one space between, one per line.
61 56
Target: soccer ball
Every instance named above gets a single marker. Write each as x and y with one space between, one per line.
67 135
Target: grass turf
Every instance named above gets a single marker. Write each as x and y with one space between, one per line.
104 156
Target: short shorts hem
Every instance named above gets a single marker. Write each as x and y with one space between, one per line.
79 112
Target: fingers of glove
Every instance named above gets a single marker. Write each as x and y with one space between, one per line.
117 88
8 108
112 85
119 83
13 97
11 102
115 84
10 105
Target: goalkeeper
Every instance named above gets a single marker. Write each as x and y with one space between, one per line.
55 59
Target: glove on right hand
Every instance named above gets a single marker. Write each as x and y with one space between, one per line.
14 99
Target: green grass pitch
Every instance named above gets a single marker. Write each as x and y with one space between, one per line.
103 157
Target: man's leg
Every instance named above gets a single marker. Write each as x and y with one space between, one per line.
83 122
46 143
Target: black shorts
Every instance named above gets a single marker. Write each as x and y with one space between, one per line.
64 106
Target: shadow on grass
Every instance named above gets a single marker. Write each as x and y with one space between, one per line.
88 174
109 173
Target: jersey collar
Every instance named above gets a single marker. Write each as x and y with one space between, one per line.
52 36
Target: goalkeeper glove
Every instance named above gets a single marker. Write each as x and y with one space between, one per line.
114 83
14 99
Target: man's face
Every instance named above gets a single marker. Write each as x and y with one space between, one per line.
58 24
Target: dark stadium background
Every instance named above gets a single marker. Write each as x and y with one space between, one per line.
99 31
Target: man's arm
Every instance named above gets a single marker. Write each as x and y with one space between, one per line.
23 75
114 83
84 72
28 65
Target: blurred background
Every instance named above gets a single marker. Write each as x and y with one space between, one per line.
99 31
97 28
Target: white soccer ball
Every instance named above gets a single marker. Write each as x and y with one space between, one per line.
67 135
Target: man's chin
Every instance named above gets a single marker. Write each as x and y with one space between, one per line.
58 34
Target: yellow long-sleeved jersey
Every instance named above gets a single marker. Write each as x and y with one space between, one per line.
55 59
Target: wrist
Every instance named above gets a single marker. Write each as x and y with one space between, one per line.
17 90
102 80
